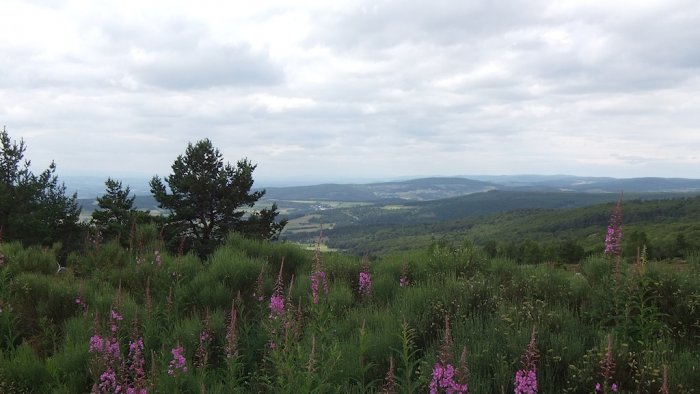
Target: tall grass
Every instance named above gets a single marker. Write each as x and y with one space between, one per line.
344 342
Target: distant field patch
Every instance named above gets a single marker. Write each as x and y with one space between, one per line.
306 224
394 207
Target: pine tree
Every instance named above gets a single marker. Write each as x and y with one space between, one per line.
207 198
116 211
34 209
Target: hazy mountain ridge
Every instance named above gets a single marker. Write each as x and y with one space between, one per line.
425 189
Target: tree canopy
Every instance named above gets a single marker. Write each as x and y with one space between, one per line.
208 199
34 208
116 211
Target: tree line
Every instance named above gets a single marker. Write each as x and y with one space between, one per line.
204 197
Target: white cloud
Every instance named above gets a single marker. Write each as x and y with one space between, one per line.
356 88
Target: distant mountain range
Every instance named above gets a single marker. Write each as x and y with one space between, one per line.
425 189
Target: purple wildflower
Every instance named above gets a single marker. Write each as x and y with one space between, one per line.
443 379
114 319
525 382
607 370
96 344
108 382
613 239
136 360
318 278
365 280
202 354
277 299
157 258
389 386
111 349
443 370
178 364
526 378
276 305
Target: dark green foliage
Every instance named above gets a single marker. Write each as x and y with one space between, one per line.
206 198
116 214
34 209
498 219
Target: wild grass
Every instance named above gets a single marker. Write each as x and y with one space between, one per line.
345 342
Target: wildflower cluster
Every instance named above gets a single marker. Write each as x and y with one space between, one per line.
318 277
613 238
114 319
607 370
136 367
205 337
526 378
389 386
108 356
444 373
178 364
365 280
277 299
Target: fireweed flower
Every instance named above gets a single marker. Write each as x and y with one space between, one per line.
114 319
525 382
277 299
178 364
276 305
108 382
202 354
157 258
96 344
526 378
403 280
443 379
607 370
136 360
613 238
365 279
318 276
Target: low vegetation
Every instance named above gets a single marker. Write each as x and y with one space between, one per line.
266 317
128 311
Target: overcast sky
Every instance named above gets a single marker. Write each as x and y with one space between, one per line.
337 90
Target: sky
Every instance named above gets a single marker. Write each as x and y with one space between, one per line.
356 90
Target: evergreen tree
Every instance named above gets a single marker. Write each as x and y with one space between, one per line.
116 211
206 199
34 208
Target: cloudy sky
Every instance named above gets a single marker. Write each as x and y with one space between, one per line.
341 90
